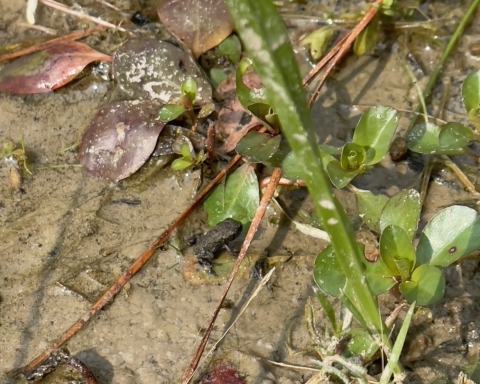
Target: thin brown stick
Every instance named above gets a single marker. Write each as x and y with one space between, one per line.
344 46
96 20
128 274
260 212
57 40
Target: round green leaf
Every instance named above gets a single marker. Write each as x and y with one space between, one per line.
238 198
426 286
328 274
290 168
379 277
338 176
352 157
402 210
258 147
370 207
471 91
231 48
374 132
397 251
424 138
450 234
455 135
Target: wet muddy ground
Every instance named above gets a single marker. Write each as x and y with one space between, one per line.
66 236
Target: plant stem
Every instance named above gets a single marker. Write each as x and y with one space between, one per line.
266 39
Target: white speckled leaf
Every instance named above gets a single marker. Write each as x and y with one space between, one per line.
155 70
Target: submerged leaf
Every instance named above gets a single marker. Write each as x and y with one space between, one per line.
120 139
155 70
46 70
199 24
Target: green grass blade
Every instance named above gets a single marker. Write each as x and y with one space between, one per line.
265 37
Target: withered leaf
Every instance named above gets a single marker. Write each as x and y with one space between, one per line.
46 70
120 139
199 24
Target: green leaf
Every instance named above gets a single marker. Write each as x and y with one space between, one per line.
424 138
366 38
238 198
189 88
379 277
258 147
397 251
339 177
328 310
181 163
455 135
402 210
290 168
206 110
471 91
374 132
352 157
231 48
450 234
370 207
426 286
276 160
318 41
170 112
328 274
245 95
361 344
474 117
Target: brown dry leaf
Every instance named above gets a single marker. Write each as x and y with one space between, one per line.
120 139
199 24
222 373
49 69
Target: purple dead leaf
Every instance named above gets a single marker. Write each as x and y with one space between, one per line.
46 70
120 139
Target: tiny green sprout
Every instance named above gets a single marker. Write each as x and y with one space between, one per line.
183 146
14 155
189 88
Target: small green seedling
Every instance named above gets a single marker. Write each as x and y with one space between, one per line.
15 155
449 235
183 146
184 107
370 143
